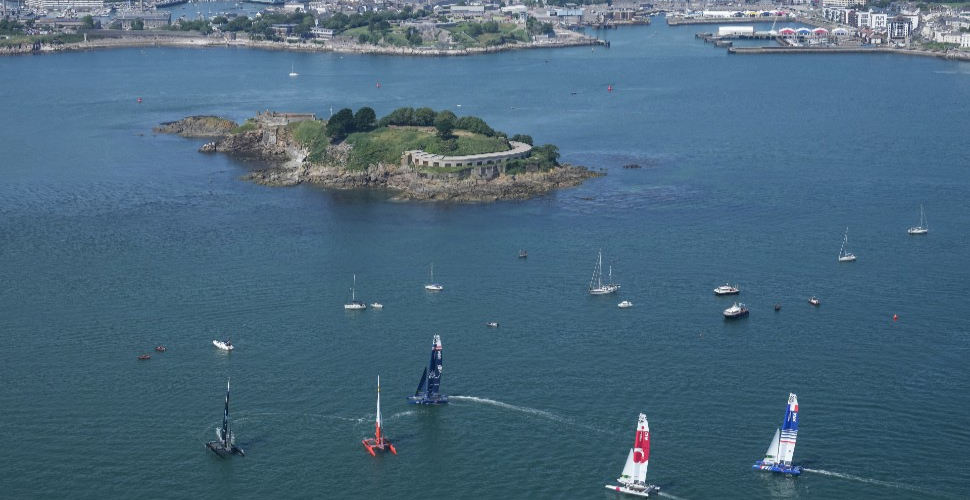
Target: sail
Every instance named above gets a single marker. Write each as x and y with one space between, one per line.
789 431
627 476
379 423
597 280
771 456
226 433
434 367
421 384
641 450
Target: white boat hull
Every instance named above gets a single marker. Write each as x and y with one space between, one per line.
635 491
355 306
847 258
434 288
917 230
222 345
377 305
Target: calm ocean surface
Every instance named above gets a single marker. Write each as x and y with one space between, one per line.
114 240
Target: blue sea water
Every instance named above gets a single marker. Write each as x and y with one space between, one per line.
114 240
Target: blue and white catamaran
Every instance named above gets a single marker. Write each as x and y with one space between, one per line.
427 391
782 447
225 444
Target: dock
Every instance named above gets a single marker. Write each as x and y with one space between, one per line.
676 21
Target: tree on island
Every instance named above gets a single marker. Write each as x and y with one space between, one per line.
87 22
138 24
522 138
341 124
364 119
444 123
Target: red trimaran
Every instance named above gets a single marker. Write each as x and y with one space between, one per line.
378 442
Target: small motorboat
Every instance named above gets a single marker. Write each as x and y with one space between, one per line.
377 305
225 345
492 324
813 301
625 304
160 348
144 356
736 311
777 307
726 289
523 254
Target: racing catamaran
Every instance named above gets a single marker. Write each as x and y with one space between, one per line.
782 447
225 444
427 391
633 480
378 442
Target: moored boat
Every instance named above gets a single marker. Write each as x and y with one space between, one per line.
354 304
225 345
144 356
923 227
377 305
814 301
845 256
726 289
433 287
633 479
160 348
779 455
596 286
625 304
492 324
736 311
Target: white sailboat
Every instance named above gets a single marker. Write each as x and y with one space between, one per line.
434 287
596 286
843 255
354 304
293 70
633 480
923 227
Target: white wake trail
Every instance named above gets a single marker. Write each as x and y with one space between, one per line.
878 482
668 495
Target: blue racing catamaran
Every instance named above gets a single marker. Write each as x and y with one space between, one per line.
427 391
782 447
225 444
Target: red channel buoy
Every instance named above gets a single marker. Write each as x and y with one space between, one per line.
895 317
609 88
139 100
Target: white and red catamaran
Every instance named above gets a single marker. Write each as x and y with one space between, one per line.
378 442
633 480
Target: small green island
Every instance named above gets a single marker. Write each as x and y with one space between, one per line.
418 154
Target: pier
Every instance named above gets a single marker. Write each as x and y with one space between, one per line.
676 21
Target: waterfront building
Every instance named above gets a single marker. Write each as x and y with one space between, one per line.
151 20
62 5
900 28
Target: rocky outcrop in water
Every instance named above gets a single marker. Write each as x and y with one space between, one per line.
198 126
275 145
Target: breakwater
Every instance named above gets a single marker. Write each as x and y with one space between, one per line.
948 54
675 21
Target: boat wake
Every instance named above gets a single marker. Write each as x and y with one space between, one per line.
850 477
525 409
668 495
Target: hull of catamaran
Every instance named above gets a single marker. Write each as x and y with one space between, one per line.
427 400
780 468
640 492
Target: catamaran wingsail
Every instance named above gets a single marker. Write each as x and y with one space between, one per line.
779 455
225 444
378 442
633 480
427 391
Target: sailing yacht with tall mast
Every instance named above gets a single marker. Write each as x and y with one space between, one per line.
779 455
845 256
354 304
432 286
633 480
428 391
923 227
225 444
596 286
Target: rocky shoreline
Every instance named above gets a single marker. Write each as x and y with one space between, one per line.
290 166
